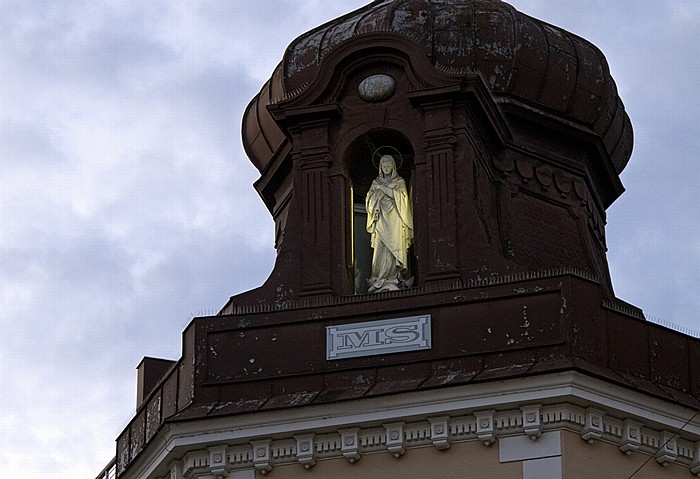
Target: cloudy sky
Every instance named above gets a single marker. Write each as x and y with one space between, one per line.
126 205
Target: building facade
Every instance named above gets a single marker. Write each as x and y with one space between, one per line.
498 347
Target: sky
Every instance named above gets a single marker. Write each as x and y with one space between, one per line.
127 206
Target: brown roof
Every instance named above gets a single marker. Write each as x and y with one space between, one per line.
520 58
264 358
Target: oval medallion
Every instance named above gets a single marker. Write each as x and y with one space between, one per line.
376 88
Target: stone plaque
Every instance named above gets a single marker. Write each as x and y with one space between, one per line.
378 337
376 88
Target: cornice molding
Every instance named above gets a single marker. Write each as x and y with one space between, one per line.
596 410
453 285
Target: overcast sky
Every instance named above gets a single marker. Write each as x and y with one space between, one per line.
126 205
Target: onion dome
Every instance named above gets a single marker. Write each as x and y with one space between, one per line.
521 59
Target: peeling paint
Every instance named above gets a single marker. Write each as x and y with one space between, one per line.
359 380
301 398
244 323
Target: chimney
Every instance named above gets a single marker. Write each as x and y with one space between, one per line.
149 372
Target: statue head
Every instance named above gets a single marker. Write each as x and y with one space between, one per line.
387 166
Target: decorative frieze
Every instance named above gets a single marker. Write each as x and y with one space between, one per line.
194 461
559 184
398 438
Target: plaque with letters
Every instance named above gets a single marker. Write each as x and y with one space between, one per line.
378 337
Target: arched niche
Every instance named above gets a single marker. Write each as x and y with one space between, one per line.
362 171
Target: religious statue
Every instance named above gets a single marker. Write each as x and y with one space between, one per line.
390 224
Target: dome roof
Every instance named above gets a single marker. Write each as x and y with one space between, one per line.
520 59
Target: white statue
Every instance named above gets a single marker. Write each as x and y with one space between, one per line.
390 224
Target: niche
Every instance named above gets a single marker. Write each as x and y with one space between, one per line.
362 158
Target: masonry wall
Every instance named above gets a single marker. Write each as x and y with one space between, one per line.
557 454
603 460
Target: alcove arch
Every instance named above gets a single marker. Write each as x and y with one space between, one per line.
358 160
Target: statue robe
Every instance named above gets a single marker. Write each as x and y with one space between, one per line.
391 231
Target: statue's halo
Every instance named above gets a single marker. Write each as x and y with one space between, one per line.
387 150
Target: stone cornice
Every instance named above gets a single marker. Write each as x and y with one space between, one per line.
596 410
495 280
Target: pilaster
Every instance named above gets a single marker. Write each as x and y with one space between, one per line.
439 145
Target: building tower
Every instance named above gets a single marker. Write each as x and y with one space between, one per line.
495 345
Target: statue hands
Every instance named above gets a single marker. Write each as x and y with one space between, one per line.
387 191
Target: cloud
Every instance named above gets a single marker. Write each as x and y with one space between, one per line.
121 211
126 204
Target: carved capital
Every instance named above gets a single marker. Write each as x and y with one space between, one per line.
305 118
485 427
631 437
218 461
350 444
532 421
437 141
395 438
262 455
439 432
319 160
668 451
305 450
593 428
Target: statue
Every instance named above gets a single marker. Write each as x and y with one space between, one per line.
390 224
